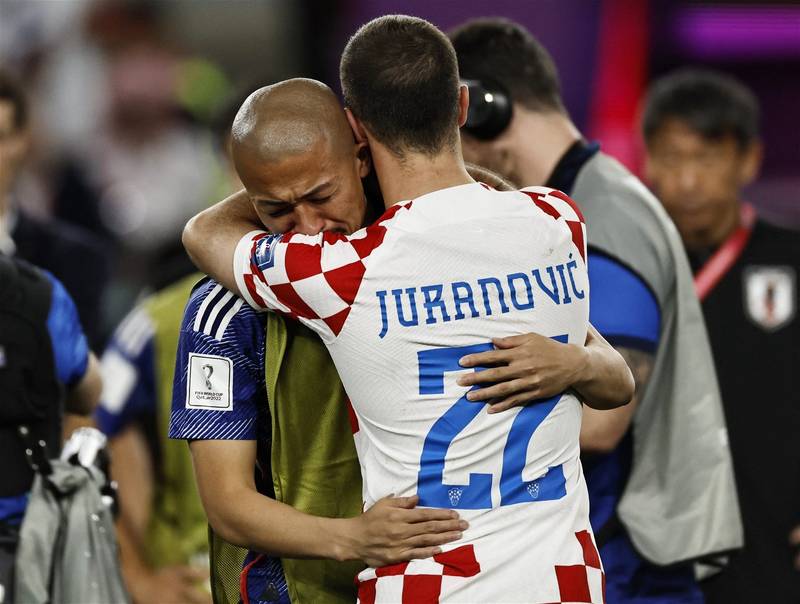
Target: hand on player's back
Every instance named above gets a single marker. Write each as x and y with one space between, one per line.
520 369
394 530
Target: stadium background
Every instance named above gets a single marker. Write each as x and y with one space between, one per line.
82 59
107 79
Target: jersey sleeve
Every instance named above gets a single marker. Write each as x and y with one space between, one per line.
128 370
70 349
622 308
561 206
314 279
219 383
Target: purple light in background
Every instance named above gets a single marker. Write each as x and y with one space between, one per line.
738 31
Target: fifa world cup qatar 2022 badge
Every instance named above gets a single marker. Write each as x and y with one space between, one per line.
770 295
209 384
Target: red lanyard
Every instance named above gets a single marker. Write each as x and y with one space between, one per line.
726 256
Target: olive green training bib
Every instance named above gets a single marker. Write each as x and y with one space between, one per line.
314 464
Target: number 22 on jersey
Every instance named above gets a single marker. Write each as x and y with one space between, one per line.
477 494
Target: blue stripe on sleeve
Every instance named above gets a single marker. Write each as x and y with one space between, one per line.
70 349
622 308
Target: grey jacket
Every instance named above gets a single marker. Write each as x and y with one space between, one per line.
680 501
67 549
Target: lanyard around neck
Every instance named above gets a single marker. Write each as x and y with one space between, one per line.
726 256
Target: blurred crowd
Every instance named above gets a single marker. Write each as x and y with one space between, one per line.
117 149
112 137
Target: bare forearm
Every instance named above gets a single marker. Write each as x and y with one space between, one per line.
605 381
265 525
243 516
210 238
601 431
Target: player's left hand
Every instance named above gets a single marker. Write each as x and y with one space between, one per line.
794 539
521 369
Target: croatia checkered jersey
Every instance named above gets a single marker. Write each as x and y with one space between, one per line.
398 303
218 390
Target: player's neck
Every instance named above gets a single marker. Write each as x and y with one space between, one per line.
417 174
544 139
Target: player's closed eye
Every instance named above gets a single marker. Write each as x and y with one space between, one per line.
281 211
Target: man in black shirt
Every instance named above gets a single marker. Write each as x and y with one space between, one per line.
703 147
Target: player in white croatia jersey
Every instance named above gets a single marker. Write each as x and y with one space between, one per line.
451 265
398 304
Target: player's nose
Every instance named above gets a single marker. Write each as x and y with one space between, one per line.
308 221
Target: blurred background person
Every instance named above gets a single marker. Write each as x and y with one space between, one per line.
149 162
77 258
643 303
43 355
133 158
163 529
701 130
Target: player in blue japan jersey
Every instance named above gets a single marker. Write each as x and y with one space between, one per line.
221 349
220 407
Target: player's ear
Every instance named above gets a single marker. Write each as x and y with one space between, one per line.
363 159
463 104
751 158
358 128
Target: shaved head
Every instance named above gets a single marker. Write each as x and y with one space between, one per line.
287 119
297 157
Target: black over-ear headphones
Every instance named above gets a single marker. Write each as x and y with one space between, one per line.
489 110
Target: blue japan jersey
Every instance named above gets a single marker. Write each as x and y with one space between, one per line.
219 370
623 308
129 375
70 350
219 393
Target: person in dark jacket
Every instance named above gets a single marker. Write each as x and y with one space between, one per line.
45 367
701 130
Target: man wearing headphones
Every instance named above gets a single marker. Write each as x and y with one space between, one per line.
649 495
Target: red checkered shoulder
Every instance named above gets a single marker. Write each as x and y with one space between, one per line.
315 277
559 205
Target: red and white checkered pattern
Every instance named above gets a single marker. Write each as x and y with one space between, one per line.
560 206
582 583
420 585
311 277
369 297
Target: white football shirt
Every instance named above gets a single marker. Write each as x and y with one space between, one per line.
398 303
